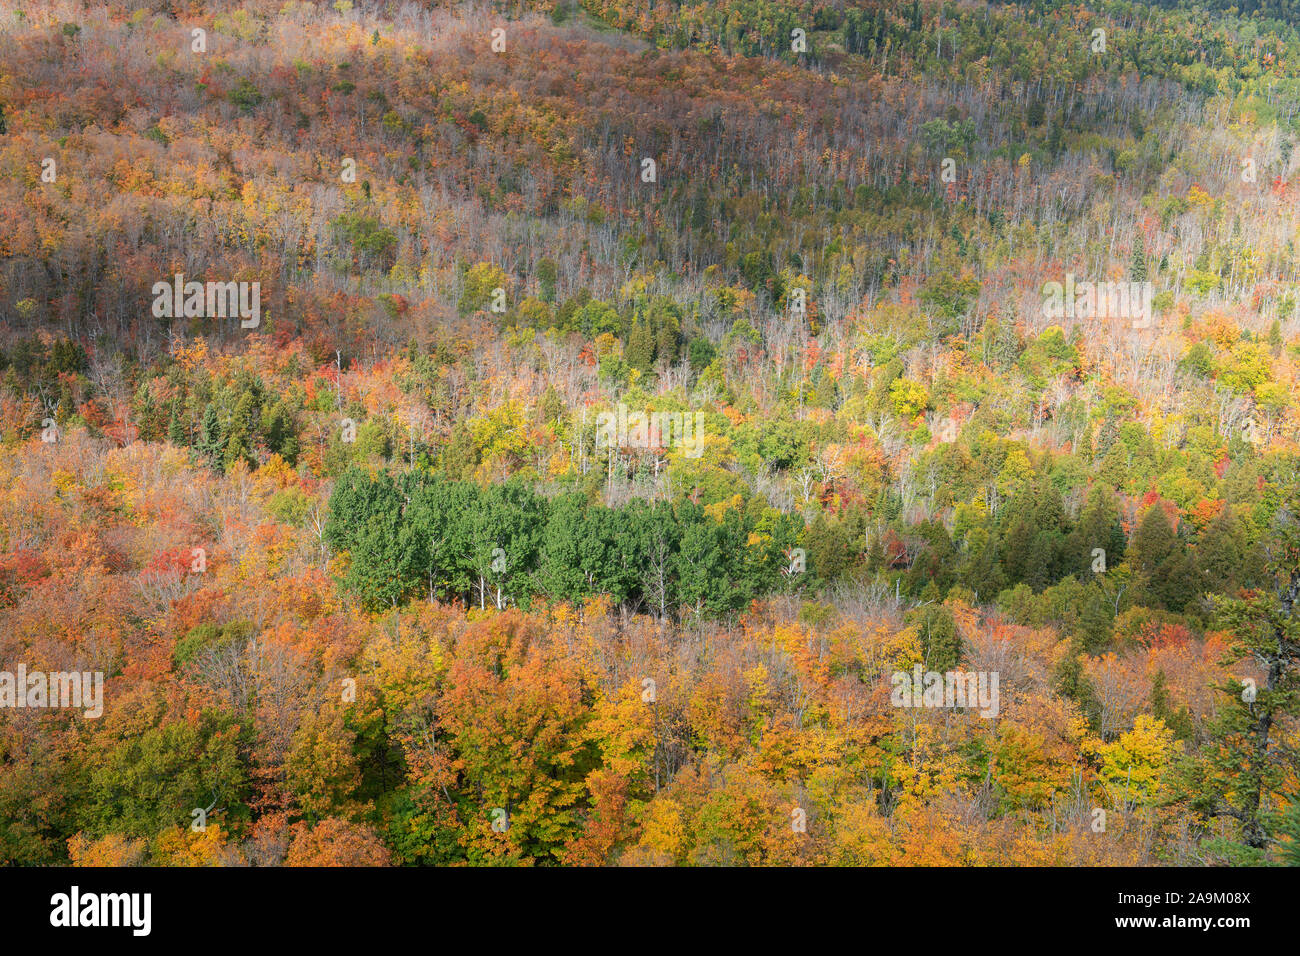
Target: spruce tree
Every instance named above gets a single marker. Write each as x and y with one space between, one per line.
177 433
640 348
1138 267
210 436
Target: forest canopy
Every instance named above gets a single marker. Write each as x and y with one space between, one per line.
634 392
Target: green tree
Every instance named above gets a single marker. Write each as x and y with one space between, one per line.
241 429
211 440
1137 269
177 433
282 432
639 353
1241 773
151 769
940 643
1098 527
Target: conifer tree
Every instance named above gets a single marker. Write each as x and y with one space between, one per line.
1244 771
1138 267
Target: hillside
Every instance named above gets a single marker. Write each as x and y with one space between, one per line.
551 433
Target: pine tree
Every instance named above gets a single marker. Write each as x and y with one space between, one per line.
282 433
640 348
239 434
1049 508
941 645
1098 527
1289 826
210 437
1096 621
982 571
1138 268
1153 542
1220 553
1161 560
1042 560
177 434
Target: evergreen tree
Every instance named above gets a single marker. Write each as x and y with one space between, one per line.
1043 560
1166 572
1179 720
1244 770
282 433
177 434
210 434
1098 527
639 353
1138 267
832 548
1153 541
941 645
935 560
1220 553
1096 621
240 433
981 570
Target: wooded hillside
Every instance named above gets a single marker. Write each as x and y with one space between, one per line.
637 389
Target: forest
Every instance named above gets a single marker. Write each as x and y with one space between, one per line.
406 569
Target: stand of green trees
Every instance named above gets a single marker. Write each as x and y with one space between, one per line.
420 534
416 533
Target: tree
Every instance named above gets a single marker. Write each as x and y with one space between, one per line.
1098 527
1137 270
639 353
437 530
514 714
940 642
504 534
211 440
1242 773
1162 562
1133 765
241 429
150 769
336 842
176 431
366 519
658 534
282 433
935 559
562 575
